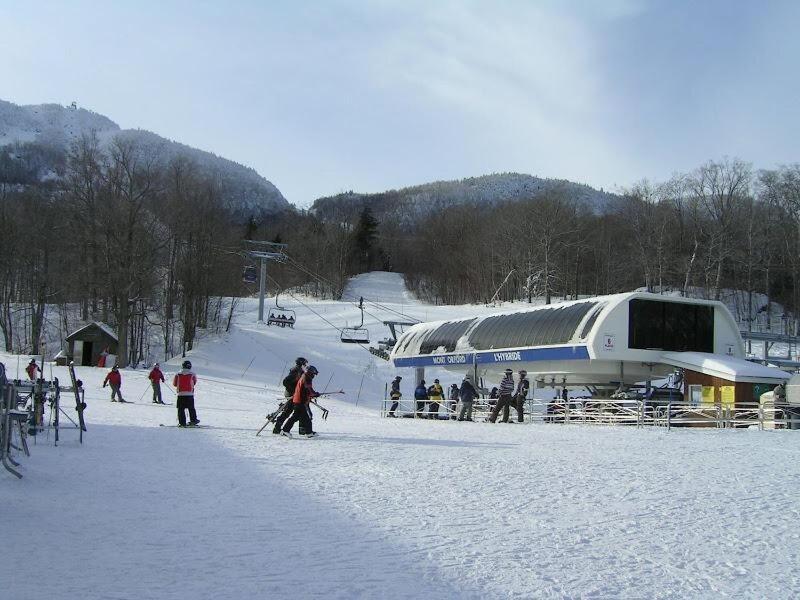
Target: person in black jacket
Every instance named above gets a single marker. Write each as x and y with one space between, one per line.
421 396
521 395
467 393
395 395
289 385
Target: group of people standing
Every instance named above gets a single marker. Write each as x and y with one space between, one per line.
509 394
184 383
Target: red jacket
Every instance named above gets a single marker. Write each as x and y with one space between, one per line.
31 371
114 378
156 375
303 391
184 382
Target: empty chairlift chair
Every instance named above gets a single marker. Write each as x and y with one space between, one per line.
249 275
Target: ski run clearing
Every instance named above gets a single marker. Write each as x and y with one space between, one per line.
384 508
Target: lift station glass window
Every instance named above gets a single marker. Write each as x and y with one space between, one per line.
674 326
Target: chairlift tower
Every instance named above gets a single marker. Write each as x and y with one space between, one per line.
264 252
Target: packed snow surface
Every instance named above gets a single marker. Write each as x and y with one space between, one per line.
384 508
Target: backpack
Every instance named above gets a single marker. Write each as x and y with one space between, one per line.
290 381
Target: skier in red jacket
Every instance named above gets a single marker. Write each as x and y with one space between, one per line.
32 369
184 383
114 379
156 377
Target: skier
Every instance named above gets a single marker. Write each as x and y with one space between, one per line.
395 395
101 362
304 393
435 395
289 386
520 396
156 377
468 393
505 391
32 369
453 400
184 383
421 396
114 379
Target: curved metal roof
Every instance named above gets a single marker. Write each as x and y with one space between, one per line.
542 326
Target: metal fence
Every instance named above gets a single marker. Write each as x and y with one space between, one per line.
630 412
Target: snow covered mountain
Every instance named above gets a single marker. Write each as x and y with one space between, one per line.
409 203
41 134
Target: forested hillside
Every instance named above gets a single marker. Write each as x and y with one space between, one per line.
722 225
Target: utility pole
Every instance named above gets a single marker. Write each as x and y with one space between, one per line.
264 251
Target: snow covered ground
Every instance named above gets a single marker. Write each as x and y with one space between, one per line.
385 508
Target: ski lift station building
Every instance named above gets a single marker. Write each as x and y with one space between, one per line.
598 343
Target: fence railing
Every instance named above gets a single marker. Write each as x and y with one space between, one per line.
630 412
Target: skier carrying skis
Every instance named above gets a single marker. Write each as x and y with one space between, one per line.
114 379
421 396
32 369
185 382
289 386
304 393
506 389
156 377
395 395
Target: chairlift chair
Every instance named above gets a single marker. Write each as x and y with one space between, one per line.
356 335
281 317
250 275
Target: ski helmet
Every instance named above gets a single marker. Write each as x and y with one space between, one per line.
300 361
312 370
509 371
523 372
33 361
187 364
398 378
435 381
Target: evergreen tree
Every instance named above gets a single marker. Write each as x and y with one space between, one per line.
364 238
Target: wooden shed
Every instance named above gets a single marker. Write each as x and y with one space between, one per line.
85 345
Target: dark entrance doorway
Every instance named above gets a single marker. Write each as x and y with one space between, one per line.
86 359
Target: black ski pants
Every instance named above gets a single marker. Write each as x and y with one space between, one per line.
284 414
186 403
502 404
157 393
299 413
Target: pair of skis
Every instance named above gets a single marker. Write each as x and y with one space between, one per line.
272 417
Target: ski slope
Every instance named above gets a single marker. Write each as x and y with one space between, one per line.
385 508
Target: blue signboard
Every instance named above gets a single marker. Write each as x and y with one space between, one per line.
500 356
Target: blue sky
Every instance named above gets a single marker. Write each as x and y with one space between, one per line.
326 96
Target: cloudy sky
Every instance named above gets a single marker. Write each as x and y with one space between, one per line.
332 95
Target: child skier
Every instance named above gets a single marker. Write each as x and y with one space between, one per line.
114 379
156 377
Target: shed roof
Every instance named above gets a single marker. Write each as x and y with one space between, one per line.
725 367
100 325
